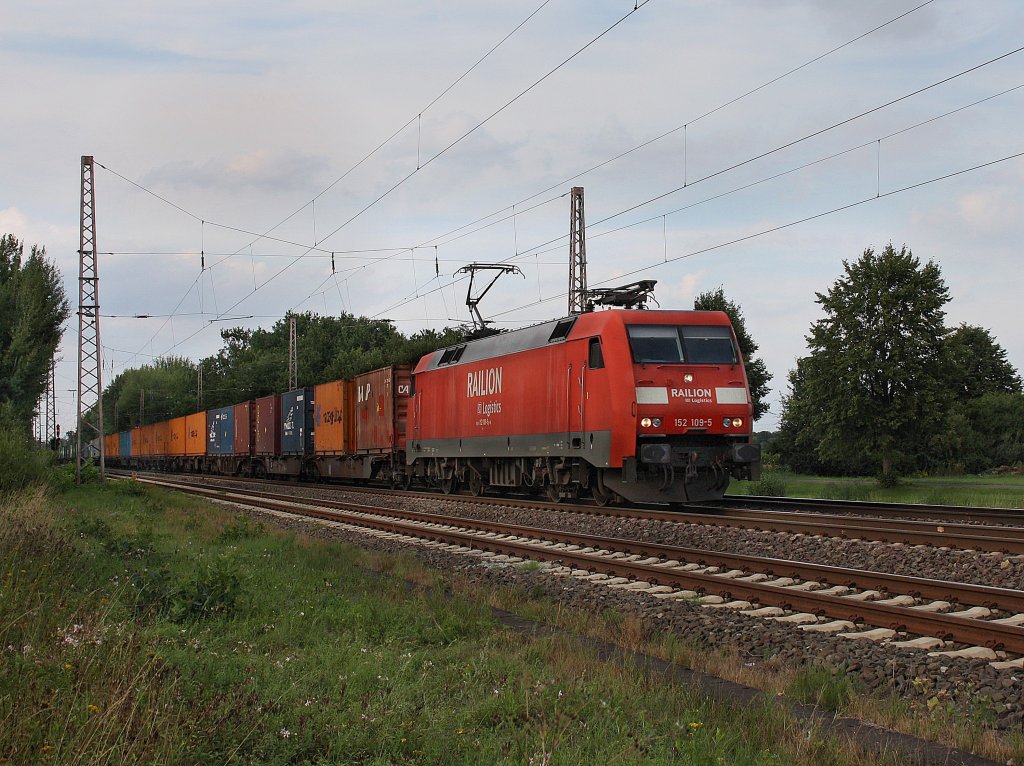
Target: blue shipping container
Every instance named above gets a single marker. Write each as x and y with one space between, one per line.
220 431
297 422
125 444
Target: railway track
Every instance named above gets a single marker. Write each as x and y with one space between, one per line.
813 596
955 513
963 536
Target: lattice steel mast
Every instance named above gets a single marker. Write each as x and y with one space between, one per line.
90 369
293 357
577 254
50 408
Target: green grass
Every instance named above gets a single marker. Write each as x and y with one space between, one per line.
138 626
815 685
1004 491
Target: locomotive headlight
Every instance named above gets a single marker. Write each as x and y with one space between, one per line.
737 422
726 422
645 422
688 377
656 422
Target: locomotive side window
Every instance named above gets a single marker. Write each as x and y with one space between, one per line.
665 344
596 358
655 344
708 345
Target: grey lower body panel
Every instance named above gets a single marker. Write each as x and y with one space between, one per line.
593 446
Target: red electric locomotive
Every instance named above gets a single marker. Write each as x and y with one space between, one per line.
645 406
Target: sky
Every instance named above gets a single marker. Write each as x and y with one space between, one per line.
752 145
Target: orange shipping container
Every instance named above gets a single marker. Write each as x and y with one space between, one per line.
332 418
195 434
111 446
176 437
160 439
146 441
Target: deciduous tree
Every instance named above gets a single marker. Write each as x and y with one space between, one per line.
33 308
874 386
978 364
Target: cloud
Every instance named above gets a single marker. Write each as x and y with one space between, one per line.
259 169
114 53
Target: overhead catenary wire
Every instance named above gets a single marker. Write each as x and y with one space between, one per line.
707 113
538 249
398 184
656 264
623 212
358 164
534 249
561 184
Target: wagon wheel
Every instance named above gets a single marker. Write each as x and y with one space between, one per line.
476 483
450 485
553 493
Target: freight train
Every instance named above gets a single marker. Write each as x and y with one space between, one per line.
625 405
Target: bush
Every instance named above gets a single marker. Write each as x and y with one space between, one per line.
769 486
888 481
21 465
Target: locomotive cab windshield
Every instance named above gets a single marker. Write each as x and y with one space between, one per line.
688 344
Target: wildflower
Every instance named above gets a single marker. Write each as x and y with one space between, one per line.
285 733
460 731
695 726
46 748
68 666
404 740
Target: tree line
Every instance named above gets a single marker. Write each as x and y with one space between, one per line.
254 363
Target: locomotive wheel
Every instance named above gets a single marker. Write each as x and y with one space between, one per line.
602 497
450 485
476 483
553 492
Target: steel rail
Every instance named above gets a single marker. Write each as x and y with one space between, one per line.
946 626
996 539
1012 516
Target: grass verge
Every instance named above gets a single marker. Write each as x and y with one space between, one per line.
138 626
986 491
